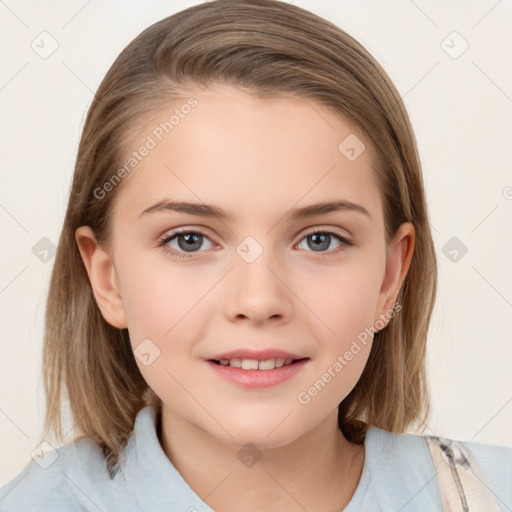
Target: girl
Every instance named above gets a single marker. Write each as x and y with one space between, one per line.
243 286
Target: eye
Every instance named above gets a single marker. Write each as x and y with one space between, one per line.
320 241
186 242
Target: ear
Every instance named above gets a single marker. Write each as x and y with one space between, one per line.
400 254
102 276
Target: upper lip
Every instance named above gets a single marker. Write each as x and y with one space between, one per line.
259 355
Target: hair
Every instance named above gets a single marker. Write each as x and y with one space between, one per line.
269 48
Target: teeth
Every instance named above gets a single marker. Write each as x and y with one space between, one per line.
254 364
269 364
249 364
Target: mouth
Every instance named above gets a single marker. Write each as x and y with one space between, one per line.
257 369
255 364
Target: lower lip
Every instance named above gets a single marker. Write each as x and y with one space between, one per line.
257 378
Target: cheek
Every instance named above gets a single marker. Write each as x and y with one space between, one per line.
161 299
344 299
346 306
162 303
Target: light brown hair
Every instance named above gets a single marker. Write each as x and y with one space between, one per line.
270 48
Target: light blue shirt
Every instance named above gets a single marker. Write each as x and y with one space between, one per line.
398 474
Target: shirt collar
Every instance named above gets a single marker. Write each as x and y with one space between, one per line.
151 477
395 465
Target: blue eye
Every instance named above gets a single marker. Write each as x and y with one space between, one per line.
190 242
319 241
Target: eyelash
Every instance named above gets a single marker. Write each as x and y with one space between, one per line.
178 254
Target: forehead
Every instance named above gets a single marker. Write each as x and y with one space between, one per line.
250 155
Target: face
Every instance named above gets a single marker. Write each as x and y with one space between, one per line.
201 293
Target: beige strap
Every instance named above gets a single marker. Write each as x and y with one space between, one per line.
463 485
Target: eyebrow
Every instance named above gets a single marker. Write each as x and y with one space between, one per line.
206 210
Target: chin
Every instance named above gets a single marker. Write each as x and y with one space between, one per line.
263 432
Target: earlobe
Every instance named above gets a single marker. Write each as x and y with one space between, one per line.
400 255
102 276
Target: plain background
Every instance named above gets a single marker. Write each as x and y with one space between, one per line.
460 103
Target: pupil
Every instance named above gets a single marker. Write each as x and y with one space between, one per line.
192 241
319 241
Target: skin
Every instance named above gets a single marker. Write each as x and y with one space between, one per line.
258 158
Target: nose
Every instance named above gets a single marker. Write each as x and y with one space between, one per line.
257 292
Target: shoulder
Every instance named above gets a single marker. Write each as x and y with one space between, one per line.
496 464
402 464
69 478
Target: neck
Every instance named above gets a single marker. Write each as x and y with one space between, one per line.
319 471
